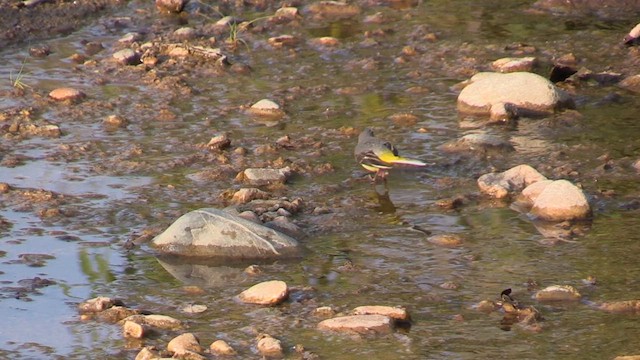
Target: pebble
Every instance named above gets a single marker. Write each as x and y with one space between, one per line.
266 293
130 37
157 321
628 306
263 176
220 347
184 342
172 6
148 353
283 40
288 12
127 57
361 324
269 346
266 108
185 33
134 330
445 240
66 94
510 64
246 195
558 293
219 142
115 121
98 304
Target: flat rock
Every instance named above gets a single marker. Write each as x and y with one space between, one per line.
66 94
397 313
215 233
264 176
361 324
266 293
559 201
156 321
558 293
266 108
530 93
510 64
127 57
500 185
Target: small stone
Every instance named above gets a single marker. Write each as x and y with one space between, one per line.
194 309
185 33
184 342
327 41
324 311
287 12
172 6
361 324
397 313
115 121
98 304
266 293
445 240
266 108
284 225
220 347
269 346
219 142
134 330
66 94
629 306
179 52
258 177
283 40
127 57
508 65
148 353
246 195
130 37
486 306
93 47
558 293
39 51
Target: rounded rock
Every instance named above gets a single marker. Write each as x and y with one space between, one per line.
66 94
266 293
558 293
184 342
269 346
127 57
561 201
221 347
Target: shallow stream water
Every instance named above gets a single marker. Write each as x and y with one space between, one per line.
364 251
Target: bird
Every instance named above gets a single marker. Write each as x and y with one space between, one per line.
378 155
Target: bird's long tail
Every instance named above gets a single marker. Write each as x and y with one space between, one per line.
391 158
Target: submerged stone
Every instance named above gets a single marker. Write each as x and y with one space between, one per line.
558 293
215 233
361 324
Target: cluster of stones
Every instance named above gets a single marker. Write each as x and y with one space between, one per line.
362 320
548 200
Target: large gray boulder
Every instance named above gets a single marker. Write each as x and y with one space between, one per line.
491 93
215 233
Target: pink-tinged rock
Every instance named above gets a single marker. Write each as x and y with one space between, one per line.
361 324
266 293
558 293
184 342
269 346
66 93
561 201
